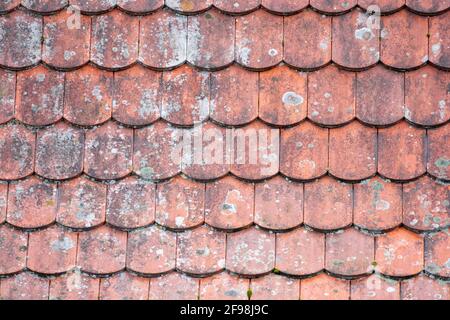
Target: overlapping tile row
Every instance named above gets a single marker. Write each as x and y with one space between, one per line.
164 40
234 96
285 7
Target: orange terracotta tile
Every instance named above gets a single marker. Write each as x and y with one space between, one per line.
162 39
424 288
108 151
32 203
131 203
52 250
7 98
437 253
399 253
333 6
384 5
401 152
91 6
377 204
349 252
44 6
102 250
375 287
153 141
439 152
234 96
285 6
203 49
124 286
224 286
355 40
189 5
151 250
331 96
300 252
310 48
81 203
324 287
21 39
140 6
189 197
59 151
17 150
88 96
426 204
256 49
185 97
380 96
250 252
9 5
426 98
13 250
353 151
66 40
74 286
278 204
24 286
229 203
404 42
439 43
328 204
237 6
3 200
174 286
201 251
275 287
427 6
304 151
282 96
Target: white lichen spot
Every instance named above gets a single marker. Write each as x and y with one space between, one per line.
292 98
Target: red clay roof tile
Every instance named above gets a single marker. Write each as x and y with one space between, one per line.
13 250
9 5
384 6
44 6
74 285
124 286
427 6
439 43
24 286
275 287
140 6
439 152
174 286
285 6
437 253
237 6
189 6
7 98
375 287
424 288
3 200
151 250
324 287
223 286
93 6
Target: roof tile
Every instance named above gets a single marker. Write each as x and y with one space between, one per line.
310 48
300 252
162 39
331 96
349 253
426 204
45 6
9 5
424 288
439 152
190 199
404 42
140 6
74 286
278 204
275 287
427 6
437 253
282 96
285 6
304 151
324 287
31 203
333 6
81 203
203 49
102 250
355 40
377 204
224 287
328 204
380 96
88 96
131 203
201 251
250 252
93 6
174 286
59 151
229 203
189 6
237 6
52 250
24 286
399 253
234 96
3 200
384 5
256 49
353 151
427 98
143 106
17 150
7 99
401 152
375 287
108 152
151 250
21 39
439 44
13 250
124 286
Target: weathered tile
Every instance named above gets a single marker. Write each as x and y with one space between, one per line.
275 287
285 6
24 286
437 253
424 288
375 287
383 5
124 286
44 6
74 285
439 43
237 6
439 152
140 6
189 6
8 95
427 6
174 286
13 250
93 6
333 6
224 287
324 287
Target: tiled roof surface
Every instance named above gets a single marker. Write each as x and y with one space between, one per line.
94 206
